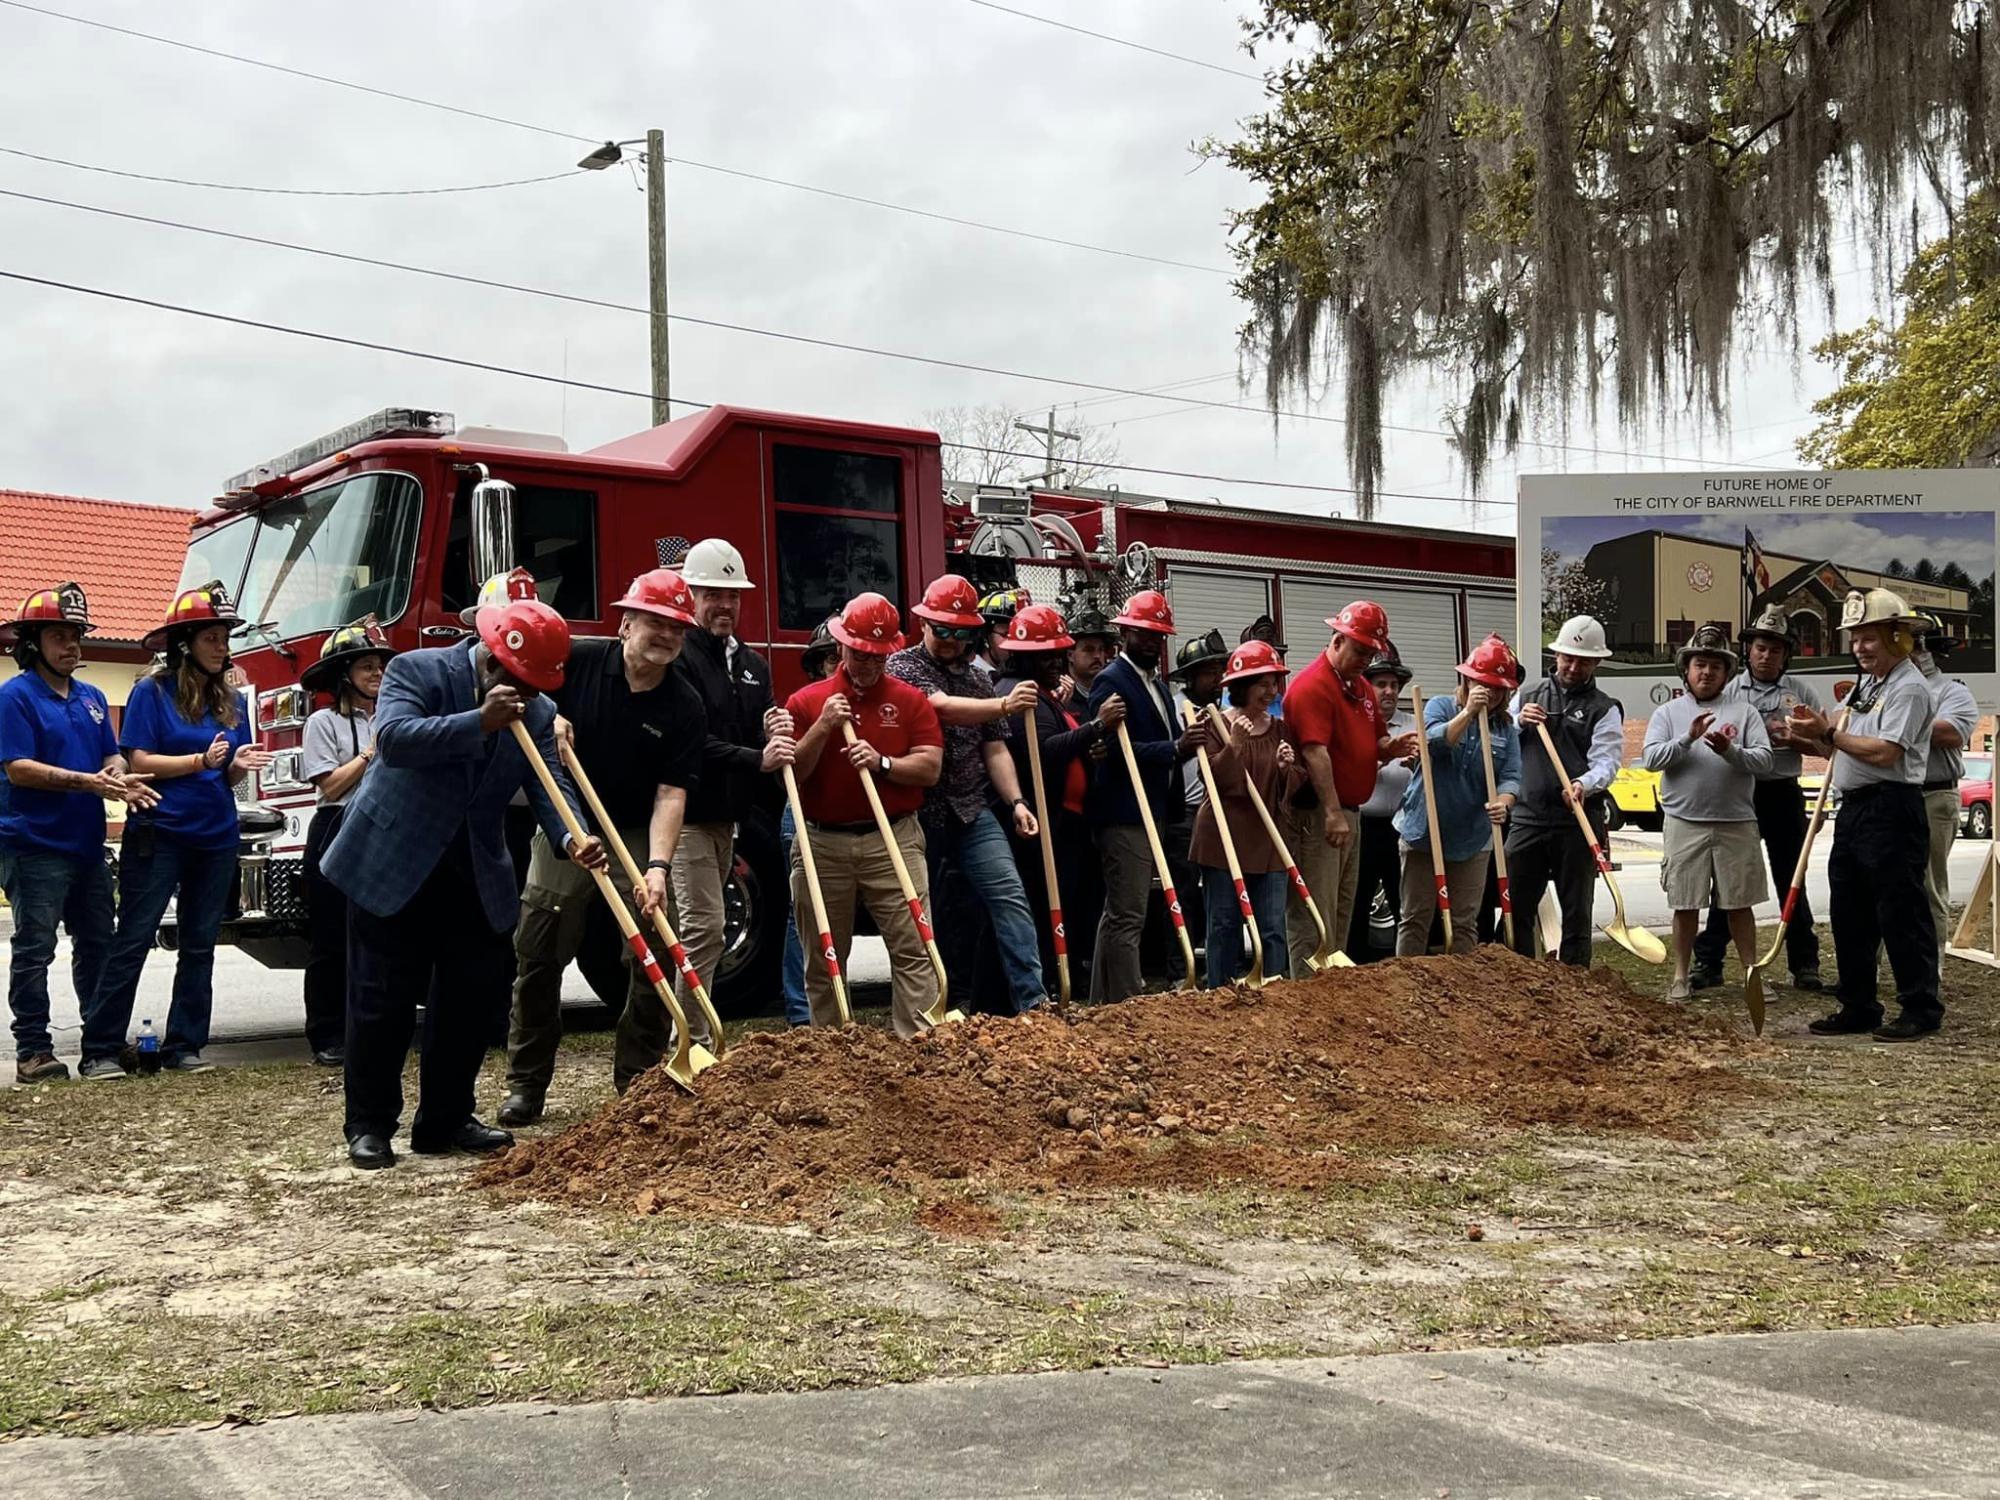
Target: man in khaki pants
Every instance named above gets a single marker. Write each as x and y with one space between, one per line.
1956 713
734 684
1335 723
899 742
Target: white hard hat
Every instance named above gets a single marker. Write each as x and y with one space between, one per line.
1876 607
1580 636
714 564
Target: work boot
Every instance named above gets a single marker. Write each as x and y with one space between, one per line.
1844 1023
1906 1028
1702 978
521 1108
1808 979
40 1068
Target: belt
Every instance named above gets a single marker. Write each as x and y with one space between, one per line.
867 827
1941 786
1872 789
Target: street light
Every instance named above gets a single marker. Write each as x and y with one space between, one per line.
654 154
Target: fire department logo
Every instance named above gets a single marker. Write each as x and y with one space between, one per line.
888 716
515 640
96 712
1020 631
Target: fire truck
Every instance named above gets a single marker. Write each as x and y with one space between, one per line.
402 514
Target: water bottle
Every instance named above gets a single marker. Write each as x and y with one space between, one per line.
148 1047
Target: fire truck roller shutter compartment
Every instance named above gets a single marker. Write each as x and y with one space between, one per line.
1205 599
1489 614
1422 622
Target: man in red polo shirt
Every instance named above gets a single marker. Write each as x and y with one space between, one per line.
1335 723
902 745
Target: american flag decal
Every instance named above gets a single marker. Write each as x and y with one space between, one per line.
671 550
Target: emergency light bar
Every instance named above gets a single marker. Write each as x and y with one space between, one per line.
393 421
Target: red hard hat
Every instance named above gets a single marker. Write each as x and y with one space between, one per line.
661 592
869 624
1491 664
1365 622
1148 610
529 639
950 600
1253 659
62 605
195 609
1038 627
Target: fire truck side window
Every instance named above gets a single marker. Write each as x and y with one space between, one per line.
555 538
837 530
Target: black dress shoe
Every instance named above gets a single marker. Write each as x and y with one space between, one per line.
369 1152
520 1109
1704 979
471 1136
1808 979
1906 1029
330 1057
1844 1023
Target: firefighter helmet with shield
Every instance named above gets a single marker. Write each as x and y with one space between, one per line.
194 610
347 645
1771 624
501 588
62 605
1199 651
1707 640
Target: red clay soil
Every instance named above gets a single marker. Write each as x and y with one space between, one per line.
1165 1090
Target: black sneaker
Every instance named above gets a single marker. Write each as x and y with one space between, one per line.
1906 1028
1704 979
1808 979
1843 1023
330 1057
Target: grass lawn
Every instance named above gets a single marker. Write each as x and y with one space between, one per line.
188 1250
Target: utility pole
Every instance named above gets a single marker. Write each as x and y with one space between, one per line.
656 248
1052 476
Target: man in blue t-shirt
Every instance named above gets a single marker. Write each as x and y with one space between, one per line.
61 762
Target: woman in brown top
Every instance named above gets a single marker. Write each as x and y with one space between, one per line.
1246 748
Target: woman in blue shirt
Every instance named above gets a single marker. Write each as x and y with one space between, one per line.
188 729
1453 725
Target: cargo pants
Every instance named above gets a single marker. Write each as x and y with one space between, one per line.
856 866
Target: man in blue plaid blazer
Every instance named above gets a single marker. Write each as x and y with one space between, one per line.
422 857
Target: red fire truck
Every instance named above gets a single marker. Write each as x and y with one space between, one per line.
402 514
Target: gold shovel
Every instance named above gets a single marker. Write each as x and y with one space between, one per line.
827 951
1431 815
937 1015
688 1059
1256 978
1634 940
1159 857
633 874
1328 956
1047 838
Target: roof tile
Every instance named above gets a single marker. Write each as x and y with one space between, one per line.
127 557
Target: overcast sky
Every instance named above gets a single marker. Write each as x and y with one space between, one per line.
937 104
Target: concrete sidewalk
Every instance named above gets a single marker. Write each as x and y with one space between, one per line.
1837 1416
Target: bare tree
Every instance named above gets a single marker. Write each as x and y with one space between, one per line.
983 446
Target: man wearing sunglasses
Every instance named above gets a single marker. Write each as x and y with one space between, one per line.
960 829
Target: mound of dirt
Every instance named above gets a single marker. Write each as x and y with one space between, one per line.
1169 1090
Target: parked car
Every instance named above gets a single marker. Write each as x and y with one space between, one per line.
1810 785
1975 798
1635 799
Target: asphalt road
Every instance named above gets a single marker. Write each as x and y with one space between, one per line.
1880 1414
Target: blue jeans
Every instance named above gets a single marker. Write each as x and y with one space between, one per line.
148 877
982 855
44 888
797 1011
1268 891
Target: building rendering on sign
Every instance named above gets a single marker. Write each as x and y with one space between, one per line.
1659 587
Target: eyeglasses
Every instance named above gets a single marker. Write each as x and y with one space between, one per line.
959 632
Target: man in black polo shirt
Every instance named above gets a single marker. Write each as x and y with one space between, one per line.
638 729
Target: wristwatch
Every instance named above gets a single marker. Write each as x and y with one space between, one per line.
886 764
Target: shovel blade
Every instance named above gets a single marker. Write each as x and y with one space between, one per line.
1339 961
1753 998
1637 941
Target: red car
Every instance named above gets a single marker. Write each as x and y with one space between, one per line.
1975 798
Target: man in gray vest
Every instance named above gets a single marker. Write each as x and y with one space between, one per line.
1544 844
1766 684
1956 713
1881 844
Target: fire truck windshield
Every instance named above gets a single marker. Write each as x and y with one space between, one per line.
318 560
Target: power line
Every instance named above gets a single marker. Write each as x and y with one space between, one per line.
1193 62
907 356
545 378
239 187
685 161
